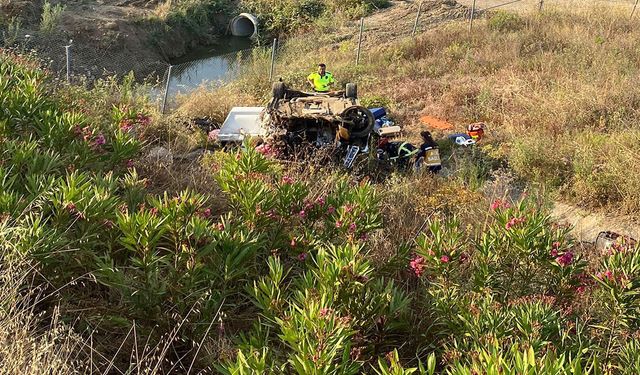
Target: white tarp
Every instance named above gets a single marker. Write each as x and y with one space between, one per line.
241 122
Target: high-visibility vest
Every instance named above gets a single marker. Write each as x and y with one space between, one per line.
432 157
321 83
405 152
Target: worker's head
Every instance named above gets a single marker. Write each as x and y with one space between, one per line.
426 136
322 68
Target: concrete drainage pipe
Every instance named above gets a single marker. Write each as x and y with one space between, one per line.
244 25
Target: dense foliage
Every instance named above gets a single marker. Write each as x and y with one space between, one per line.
290 15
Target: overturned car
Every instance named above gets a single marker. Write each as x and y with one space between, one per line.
299 117
295 118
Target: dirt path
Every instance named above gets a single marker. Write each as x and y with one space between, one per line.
587 224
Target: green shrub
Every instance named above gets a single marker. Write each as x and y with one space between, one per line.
503 21
51 15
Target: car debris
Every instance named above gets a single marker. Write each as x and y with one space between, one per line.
608 239
295 118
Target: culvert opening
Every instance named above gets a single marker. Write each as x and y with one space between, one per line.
244 25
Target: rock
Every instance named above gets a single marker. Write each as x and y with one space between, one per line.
160 155
111 25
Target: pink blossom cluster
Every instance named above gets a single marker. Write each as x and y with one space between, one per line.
417 265
287 180
605 275
213 135
205 214
498 203
268 150
565 259
127 124
514 221
325 312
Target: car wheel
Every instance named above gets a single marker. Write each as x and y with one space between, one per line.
360 119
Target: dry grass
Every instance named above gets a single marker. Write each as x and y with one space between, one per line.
33 342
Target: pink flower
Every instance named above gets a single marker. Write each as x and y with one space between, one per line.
220 226
496 204
126 125
287 180
352 227
348 208
338 224
565 259
293 242
554 253
417 265
143 119
99 141
581 289
324 312
302 257
364 237
499 204
444 259
514 221
605 275
331 210
320 201
153 211
213 135
302 214
556 245
206 213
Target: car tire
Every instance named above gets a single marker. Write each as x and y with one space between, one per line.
362 117
351 91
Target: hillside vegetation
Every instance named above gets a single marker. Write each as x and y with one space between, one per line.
250 265
556 90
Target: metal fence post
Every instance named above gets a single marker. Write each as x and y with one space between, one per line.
360 41
473 10
273 58
67 50
634 8
166 90
415 25
540 5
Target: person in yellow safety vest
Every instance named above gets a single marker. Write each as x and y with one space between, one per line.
321 80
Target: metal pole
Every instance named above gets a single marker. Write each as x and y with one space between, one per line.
67 50
415 25
634 8
360 41
540 5
473 10
273 58
166 90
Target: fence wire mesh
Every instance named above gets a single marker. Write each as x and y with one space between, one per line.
407 19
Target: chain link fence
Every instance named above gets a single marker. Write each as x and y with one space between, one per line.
71 61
